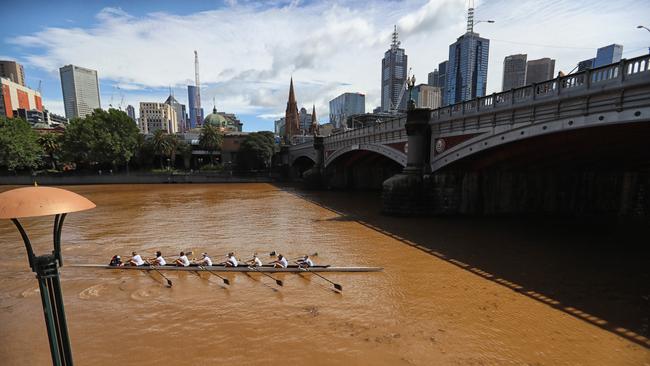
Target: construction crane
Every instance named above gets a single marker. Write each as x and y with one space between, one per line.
39 86
395 107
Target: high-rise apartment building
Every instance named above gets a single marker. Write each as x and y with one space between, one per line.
514 71
427 96
344 106
196 113
80 91
393 77
540 70
13 71
157 116
608 55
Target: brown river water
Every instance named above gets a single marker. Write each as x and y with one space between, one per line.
454 291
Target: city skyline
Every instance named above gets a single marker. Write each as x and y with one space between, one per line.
251 82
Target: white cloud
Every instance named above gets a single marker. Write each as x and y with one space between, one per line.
248 51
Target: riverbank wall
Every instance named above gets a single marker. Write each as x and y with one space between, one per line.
133 178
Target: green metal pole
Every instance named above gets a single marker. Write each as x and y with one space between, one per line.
49 321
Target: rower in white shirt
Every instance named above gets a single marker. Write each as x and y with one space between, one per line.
204 261
255 261
159 260
182 260
136 260
281 262
305 262
231 261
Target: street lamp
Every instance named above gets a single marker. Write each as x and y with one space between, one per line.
44 201
643 27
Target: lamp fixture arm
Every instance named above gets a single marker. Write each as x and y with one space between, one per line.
28 244
58 227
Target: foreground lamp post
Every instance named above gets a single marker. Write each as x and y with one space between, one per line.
45 201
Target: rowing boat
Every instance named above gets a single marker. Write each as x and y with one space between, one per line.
221 268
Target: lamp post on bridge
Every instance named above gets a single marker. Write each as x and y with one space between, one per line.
45 201
646 28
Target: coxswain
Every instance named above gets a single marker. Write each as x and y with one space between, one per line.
281 262
255 261
182 260
159 260
204 261
136 260
116 261
305 262
231 261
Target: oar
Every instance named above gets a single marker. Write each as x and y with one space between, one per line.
279 282
169 282
302 256
225 280
336 285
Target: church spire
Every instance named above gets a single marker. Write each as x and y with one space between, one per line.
292 121
313 129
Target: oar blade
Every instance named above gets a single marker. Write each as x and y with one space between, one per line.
226 281
169 282
279 282
338 287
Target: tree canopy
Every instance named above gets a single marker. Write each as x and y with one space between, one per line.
210 140
256 151
19 148
104 137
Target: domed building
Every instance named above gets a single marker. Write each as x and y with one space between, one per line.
225 122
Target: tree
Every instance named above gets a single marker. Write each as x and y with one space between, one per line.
185 150
104 137
19 148
172 144
160 143
210 140
51 144
256 151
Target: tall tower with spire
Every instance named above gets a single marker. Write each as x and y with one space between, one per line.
292 120
393 75
313 129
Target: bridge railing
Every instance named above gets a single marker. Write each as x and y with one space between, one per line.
381 132
618 74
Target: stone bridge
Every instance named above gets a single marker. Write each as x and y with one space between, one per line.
598 119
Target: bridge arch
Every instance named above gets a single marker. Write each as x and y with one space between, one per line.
389 152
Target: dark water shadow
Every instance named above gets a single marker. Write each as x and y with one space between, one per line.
596 270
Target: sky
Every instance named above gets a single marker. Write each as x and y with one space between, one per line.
249 50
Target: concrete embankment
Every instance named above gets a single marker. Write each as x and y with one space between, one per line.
134 178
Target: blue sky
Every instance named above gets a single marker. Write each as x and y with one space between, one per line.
249 50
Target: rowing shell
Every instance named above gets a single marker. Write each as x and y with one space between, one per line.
265 268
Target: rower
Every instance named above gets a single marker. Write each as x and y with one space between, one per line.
182 260
136 260
116 261
204 261
255 261
159 260
281 262
305 262
231 261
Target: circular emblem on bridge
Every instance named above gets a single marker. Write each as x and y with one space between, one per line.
440 145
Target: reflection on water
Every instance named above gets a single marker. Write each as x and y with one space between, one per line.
423 309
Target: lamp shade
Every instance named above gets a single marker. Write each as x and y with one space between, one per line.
40 201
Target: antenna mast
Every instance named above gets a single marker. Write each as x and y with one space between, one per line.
396 42
198 89
470 17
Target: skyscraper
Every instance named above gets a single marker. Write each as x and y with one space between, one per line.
442 81
346 105
514 71
393 76
608 55
13 71
468 65
196 114
433 77
540 70
179 109
130 111
157 116
426 96
292 119
80 90
586 64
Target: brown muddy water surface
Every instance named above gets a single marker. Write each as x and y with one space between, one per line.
453 291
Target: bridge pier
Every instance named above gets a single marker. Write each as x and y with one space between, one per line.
314 177
407 193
